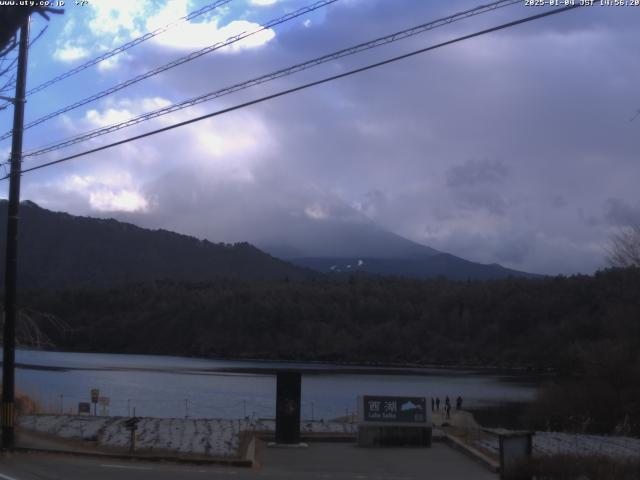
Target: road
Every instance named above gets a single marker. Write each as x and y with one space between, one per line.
318 462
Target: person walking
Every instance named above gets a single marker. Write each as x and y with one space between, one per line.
433 404
448 411
447 402
459 403
437 403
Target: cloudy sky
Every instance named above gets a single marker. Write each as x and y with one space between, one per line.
516 147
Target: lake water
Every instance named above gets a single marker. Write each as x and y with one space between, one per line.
162 386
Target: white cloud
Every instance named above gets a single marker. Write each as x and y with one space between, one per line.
70 53
118 17
117 201
111 63
200 34
263 3
316 212
121 110
107 192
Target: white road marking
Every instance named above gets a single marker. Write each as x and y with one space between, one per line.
126 467
6 477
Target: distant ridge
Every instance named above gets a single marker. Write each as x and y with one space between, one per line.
438 265
58 250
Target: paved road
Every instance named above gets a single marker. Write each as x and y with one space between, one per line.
318 462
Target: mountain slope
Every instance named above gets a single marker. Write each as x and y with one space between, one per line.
339 238
441 264
61 250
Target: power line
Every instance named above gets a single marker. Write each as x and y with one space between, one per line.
306 85
275 75
128 45
175 63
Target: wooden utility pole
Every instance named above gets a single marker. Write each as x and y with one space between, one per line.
11 265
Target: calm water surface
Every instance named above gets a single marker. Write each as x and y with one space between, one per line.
162 386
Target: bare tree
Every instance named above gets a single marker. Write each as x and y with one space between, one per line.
624 250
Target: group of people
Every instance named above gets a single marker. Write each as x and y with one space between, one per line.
435 405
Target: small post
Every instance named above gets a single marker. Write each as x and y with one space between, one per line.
132 426
515 451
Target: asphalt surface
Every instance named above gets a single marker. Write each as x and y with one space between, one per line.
319 461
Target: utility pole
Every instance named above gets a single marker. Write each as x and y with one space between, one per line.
10 309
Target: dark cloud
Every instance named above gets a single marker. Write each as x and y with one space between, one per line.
620 213
488 200
475 172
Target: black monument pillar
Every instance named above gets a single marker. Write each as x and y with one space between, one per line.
288 394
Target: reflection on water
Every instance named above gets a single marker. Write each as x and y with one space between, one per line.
175 386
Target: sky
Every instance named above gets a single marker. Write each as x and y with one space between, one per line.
516 147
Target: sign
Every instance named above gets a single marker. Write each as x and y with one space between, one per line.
84 407
104 401
95 393
406 410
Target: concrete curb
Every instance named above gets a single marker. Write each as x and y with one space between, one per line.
471 452
250 452
312 437
231 462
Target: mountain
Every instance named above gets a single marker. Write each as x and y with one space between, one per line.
440 264
61 250
356 244
341 238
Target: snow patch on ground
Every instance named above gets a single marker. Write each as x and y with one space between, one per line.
199 436
553 443
211 437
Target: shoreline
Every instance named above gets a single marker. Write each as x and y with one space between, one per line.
309 367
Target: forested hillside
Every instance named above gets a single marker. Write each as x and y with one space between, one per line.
514 322
59 250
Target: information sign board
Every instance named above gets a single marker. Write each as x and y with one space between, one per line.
386 409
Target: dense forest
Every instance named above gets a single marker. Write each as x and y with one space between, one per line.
536 323
586 328
58 250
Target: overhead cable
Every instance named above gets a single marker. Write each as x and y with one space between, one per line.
128 45
175 63
273 76
305 86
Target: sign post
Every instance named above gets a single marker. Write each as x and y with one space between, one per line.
95 394
387 420
104 403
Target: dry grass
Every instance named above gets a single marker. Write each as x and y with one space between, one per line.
24 404
575 467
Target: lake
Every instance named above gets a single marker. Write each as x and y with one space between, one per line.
163 386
